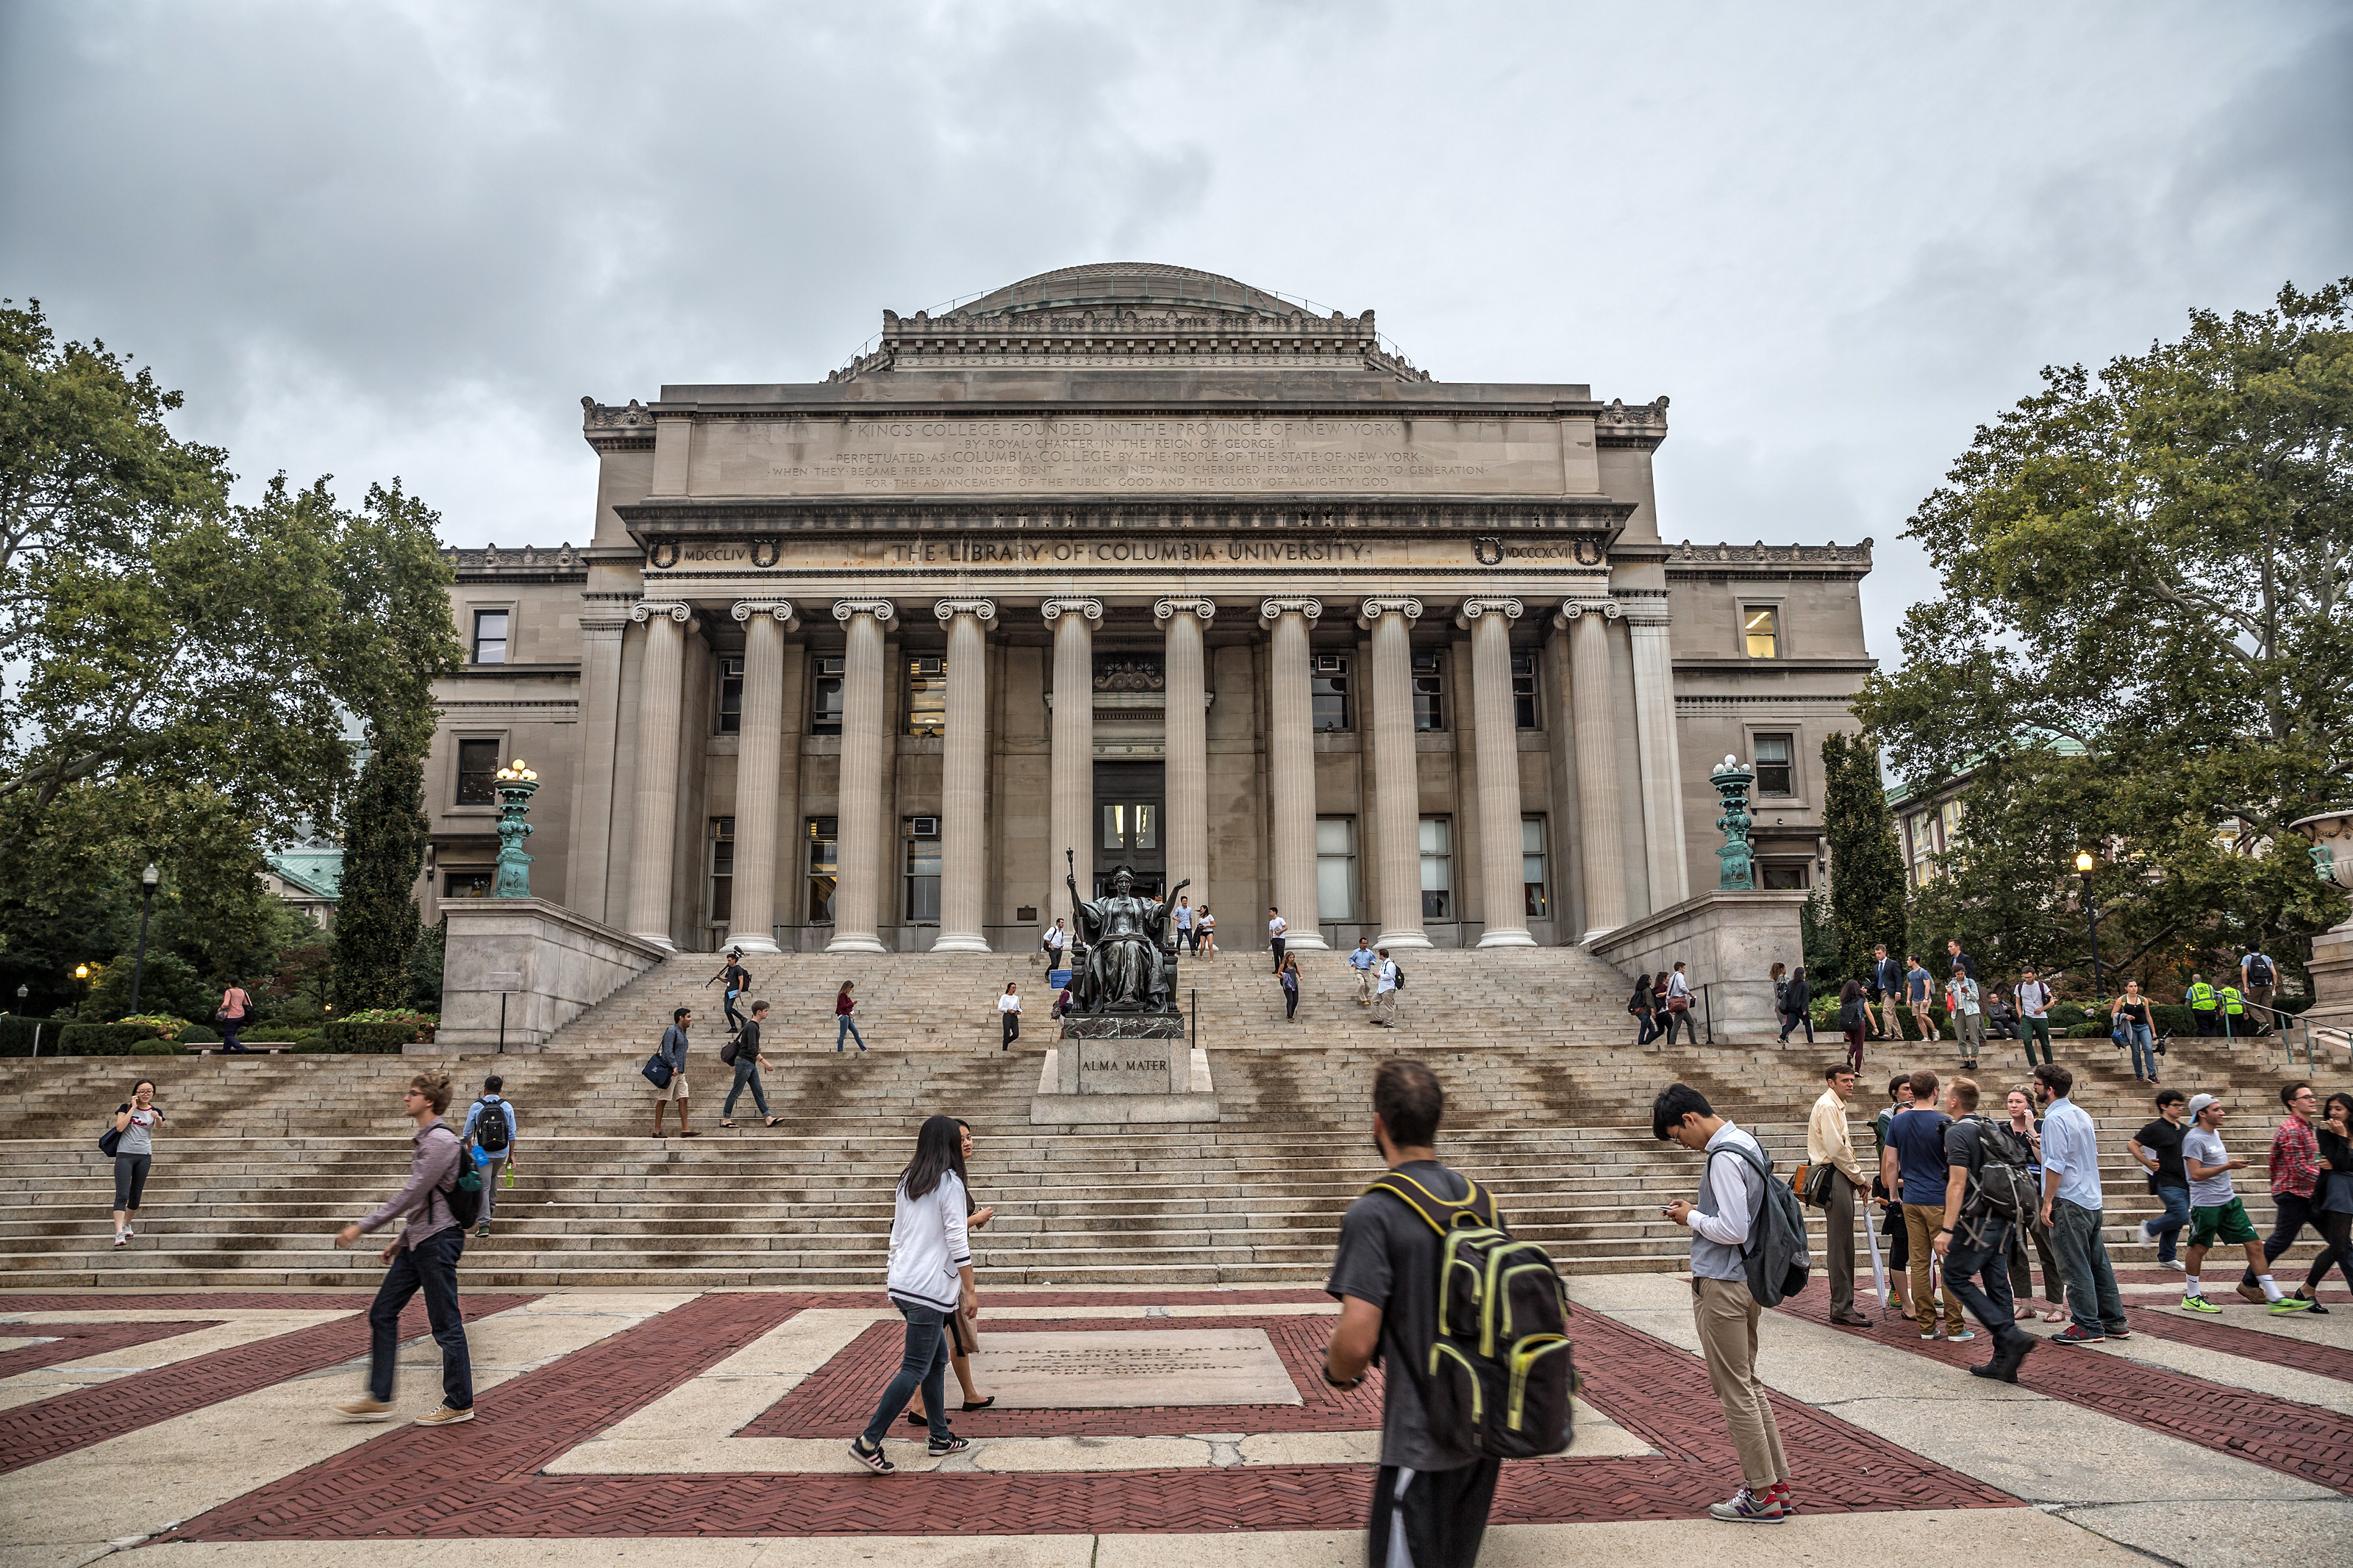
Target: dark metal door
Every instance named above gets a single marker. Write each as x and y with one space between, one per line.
1128 830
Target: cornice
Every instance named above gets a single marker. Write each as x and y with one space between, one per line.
756 518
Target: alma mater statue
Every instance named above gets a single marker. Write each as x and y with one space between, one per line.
1126 969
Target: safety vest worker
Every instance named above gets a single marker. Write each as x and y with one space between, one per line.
2202 998
2232 1002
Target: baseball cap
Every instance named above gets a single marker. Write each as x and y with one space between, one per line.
2199 1102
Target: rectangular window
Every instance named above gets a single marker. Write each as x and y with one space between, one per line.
489 637
1335 868
731 696
1761 624
1428 692
1527 713
821 834
1917 831
1131 825
1437 868
1328 680
1772 768
1950 814
722 870
466 885
927 695
825 695
921 835
1531 867
478 766
1785 878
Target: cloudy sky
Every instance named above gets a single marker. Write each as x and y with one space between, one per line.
379 240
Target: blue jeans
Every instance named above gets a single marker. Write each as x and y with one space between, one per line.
1976 1269
923 1366
1793 1020
2176 1215
2093 1300
849 1031
2144 1050
747 1071
430 1266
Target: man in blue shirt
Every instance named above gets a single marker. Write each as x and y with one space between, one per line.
1889 976
1913 1167
1363 961
490 1128
1915 995
2071 1209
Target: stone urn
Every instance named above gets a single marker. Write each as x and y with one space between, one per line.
2331 833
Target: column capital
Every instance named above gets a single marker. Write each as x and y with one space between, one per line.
982 610
1272 610
647 609
1472 609
881 609
1054 609
1167 609
781 609
1649 614
1572 610
1373 609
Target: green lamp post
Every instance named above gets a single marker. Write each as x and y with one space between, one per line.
515 786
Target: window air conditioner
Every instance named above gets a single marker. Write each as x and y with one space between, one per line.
1330 664
924 826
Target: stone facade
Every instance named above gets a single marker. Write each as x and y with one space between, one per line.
1148 565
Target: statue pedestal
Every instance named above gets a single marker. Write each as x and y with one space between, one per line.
1117 1068
2331 968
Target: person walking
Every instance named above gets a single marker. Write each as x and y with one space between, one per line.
2157 1149
2028 1227
1852 1012
2034 1015
2295 1178
747 1063
1916 995
734 980
2129 1020
1659 1017
1288 975
135 1121
1962 1006
2234 1012
674 1051
2258 981
929 1277
1731 1197
1276 926
2072 1205
235 1012
1975 1247
1207 925
1056 943
1889 1196
489 1138
1889 976
423 1257
1433 1491
2217 1214
1183 918
2204 1004
1643 1006
2335 1135
1362 960
964 1343
1386 981
1796 1004
1827 1142
1008 1008
1679 1001
1914 1166
846 1026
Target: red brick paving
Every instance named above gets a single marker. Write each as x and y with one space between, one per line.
76 1341
58 1424
2301 1440
411 1482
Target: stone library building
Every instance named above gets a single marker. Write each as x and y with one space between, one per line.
1131 565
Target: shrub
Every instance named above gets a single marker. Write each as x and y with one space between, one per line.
199 1035
158 1048
420 1025
18 1035
275 1035
103 1039
358 1037
165 1026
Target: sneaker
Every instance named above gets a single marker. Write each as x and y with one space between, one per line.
2286 1304
121 1238
2199 1304
942 1446
872 1460
445 1416
2073 1334
1785 1497
2119 1332
483 1229
2172 1263
129 1231
1745 1507
1960 1336
1927 1333
2147 1230
365 1409
2253 1295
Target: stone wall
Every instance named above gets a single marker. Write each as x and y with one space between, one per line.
562 964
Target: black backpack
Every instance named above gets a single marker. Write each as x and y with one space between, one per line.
1775 1258
1397 981
491 1126
464 1193
2259 970
2002 1186
1501 1371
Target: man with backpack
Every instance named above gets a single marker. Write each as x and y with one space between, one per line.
1986 1190
1436 1482
2258 978
672 1052
490 1128
1386 981
1735 1186
1913 1167
424 1256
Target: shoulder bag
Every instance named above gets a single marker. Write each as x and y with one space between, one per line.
658 1070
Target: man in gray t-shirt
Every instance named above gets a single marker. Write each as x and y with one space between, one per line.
2217 1214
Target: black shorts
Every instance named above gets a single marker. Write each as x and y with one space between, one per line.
1443 1514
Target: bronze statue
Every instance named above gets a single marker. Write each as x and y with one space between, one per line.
1126 968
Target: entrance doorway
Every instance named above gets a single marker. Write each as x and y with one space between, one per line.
1129 797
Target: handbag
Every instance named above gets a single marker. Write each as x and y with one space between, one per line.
1678 1003
1812 1184
963 1338
108 1142
658 1070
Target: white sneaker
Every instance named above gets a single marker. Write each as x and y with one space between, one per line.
2147 1230
2172 1263
128 1230
121 1238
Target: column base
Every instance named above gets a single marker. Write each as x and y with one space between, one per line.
1519 938
960 943
856 941
1403 939
1311 943
752 944
1596 934
657 938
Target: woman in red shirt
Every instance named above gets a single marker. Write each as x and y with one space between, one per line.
848 1030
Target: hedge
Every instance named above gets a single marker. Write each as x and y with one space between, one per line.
17 1035
159 1049
354 1037
197 1035
103 1039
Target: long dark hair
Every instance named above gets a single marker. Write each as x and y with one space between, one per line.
1852 989
939 1148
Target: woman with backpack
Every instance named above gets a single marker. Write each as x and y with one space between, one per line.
1797 1005
2129 1022
929 1279
1851 1016
1642 1007
1289 978
488 1138
134 1154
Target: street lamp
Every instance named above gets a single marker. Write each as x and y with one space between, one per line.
147 880
2083 864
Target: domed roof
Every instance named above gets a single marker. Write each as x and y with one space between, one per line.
1118 283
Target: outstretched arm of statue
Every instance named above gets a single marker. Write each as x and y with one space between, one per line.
1176 890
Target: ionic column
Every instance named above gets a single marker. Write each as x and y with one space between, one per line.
1291 756
1598 824
1662 761
1501 882
1187 779
858 851
657 798
1397 777
591 859
759 759
1070 810
964 781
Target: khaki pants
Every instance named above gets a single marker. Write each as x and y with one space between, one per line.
1893 1020
674 1089
1725 1314
1385 1008
1921 1224
1920 1016
1364 988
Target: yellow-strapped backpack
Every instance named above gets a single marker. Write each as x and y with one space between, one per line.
1501 1372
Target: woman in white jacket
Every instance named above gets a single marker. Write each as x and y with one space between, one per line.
930 1277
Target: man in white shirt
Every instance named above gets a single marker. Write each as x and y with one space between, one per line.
2034 1014
1731 1192
1385 989
1184 923
1362 960
1679 1012
1275 926
1827 1142
1056 939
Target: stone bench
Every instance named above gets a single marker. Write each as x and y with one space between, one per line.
214 1048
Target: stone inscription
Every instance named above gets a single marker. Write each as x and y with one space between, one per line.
1131 1369
1222 455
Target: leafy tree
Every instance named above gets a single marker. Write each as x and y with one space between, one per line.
168 985
1866 867
376 923
425 967
2145 647
1818 943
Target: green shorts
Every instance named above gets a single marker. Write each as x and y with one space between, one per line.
2226 1223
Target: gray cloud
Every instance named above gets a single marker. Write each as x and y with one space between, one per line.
405 238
